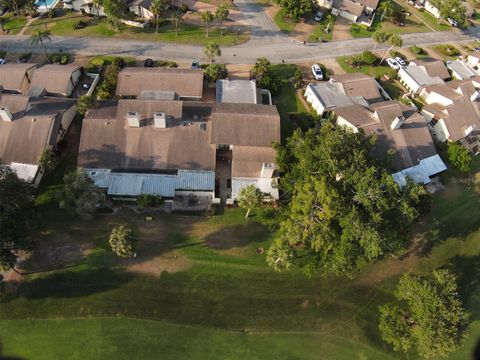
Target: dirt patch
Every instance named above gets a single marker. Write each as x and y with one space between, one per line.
170 262
341 29
239 71
303 30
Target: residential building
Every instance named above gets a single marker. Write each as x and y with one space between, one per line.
241 91
453 113
186 83
432 9
359 85
357 11
401 132
16 78
141 8
463 69
57 80
421 73
28 127
185 151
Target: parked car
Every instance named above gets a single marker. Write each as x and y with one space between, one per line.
2 61
393 63
317 72
148 63
452 22
399 22
318 16
400 61
195 65
477 49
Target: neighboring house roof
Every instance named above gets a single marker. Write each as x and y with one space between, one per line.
248 160
55 79
372 4
12 75
108 142
411 142
34 121
358 84
419 75
444 90
348 6
245 124
434 67
461 69
237 91
185 82
333 95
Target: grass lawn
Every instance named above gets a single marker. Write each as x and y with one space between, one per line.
12 24
433 22
319 31
373 71
284 24
286 100
447 52
187 33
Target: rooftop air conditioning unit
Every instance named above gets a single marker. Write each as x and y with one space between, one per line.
5 114
133 118
160 120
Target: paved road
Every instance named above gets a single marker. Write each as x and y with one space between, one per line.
283 48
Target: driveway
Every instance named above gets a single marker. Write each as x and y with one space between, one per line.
261 24
341 29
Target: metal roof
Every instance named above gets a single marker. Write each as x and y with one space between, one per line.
237 91
462 69
24 171
134 184
422 172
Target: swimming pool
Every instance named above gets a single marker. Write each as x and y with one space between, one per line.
44 5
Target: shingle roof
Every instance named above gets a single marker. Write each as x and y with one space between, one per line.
349 6
434 67
247 161
369 3
12 75
358 84
185 82
53 78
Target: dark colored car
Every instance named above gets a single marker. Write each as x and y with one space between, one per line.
148 63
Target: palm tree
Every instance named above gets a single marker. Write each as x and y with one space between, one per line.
329 19
379 37
222 15
250 197
395 41
177 19
386 8
207 17
157 7
212 50
38 37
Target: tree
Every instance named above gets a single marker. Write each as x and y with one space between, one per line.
177 19
264 76
280 257
342 207
298 79
96 4
330 19
122 241
16 204
379 37
395 41
366 58
250 197
215 72
84 103
222 14
79 195
451 9
212 50
114 10
459 157
158 7
38 38
386 8
428 316
207 17
294 9
48 160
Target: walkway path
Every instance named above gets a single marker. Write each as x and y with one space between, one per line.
276 50
29 21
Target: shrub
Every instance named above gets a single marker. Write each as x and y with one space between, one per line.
215 72
83 104
459 157
397 54
167 63
122 241
64 59
51 14
24 57
148 200
99 62
118 61
448 50
55 59
367 58
80 24
417 50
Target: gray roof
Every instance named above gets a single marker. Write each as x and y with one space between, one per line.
420 76
54 78
13 76
237 91
332 95
462 69
359 85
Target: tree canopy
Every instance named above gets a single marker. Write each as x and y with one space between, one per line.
344 208
451 9
250 197
79 195
295 9
428 316
264 76
459 157
122 241
16 204
114 10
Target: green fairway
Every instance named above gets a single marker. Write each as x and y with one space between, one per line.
200 289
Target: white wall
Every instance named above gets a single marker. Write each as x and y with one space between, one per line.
342 122
435 98
67 119
312 99
441 131
408 81
432 9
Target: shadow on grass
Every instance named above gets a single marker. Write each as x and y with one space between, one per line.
236 236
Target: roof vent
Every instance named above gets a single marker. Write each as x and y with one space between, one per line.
160 120
133 118
5 114
469 130
397 122
267 170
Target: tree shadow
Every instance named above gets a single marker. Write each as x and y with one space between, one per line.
236 236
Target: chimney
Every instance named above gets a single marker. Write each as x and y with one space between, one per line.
133 118
160 120
397 122
5 114
267 170
474 96
469 130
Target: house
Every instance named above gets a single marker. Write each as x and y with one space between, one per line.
462 70
241 91
421 73
57 80
16 78
432 9
401 132
180 149
357 11
28 127
186 83
141 8
341 91
453 113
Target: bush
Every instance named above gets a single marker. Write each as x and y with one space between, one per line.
83 104
55 59
118 61
417 50
109 82
448 50
167 63
459 157
99 62
24 57
122 241
215 72
80 24
367 58
64 59
148 200
184 8
51 13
